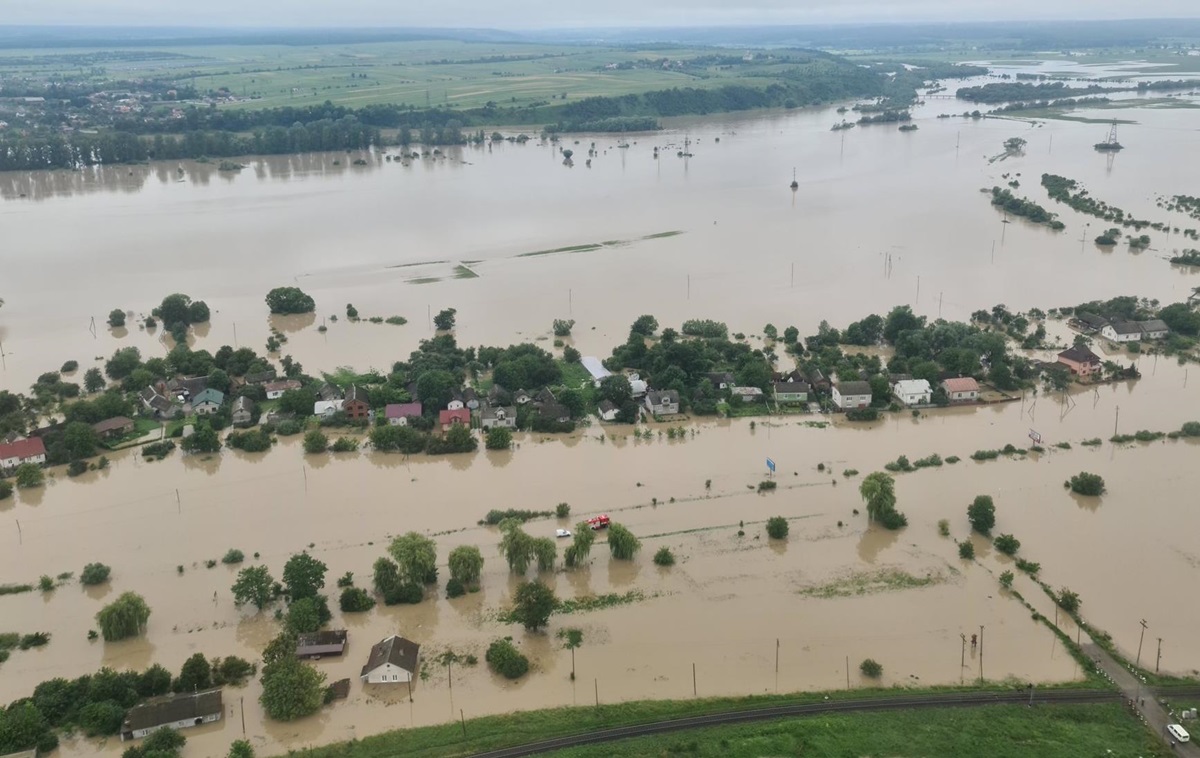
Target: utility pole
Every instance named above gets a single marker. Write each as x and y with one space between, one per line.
981 653
1138 662
777 653
693 680
21 541
918 299
1116 421
242 700
847 672
463 720
962 663
1158 660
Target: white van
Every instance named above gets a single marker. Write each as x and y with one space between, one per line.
1178 733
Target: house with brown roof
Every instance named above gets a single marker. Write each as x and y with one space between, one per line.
173 711
963 389
355 405
260 377
1082 361
275 390
31 450
321 644
392 661
110 428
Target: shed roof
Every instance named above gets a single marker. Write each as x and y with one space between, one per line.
594 367
395 650
112 424
326 642
171 708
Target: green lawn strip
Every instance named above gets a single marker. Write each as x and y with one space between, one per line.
996 731
520 728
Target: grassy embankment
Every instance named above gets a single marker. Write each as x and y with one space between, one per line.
1051 731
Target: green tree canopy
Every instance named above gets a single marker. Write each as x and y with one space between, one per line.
255 585
416 557
291 689
533 604
303 576
466 564
982 514
290 300
124 617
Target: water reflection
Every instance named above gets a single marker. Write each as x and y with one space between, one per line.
875 540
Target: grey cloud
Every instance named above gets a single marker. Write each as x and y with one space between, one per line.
538 14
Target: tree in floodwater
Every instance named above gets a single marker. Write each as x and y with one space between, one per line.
124 617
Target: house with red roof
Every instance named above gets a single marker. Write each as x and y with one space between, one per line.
963 389
398 414
449 418
13 454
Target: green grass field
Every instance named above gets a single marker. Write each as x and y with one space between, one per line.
1049 731
1055 731
421 74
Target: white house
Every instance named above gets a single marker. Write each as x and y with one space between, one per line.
1122 331
393 661
595 368
1154 329
456 403
174 711
521 397
964 389
637 386
275 390
608 411
326 408
913 391
851 395
31 450
208 401
498 416
664 403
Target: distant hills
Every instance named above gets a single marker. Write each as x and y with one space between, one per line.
1006 35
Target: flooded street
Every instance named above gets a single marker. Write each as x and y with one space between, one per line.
837 591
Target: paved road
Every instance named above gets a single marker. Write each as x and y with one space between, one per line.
900 702
1145 700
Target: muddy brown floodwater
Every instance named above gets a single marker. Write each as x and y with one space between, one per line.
836 592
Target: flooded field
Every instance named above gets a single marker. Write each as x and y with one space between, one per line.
389 238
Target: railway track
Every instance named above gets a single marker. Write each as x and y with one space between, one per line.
899 702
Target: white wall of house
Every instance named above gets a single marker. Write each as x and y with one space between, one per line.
206 408
183 724
969 395
274 394
401 421
1111 334
846 402
388 673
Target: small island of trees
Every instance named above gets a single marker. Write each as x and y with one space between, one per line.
289 300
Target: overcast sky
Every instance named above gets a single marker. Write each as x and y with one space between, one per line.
538 14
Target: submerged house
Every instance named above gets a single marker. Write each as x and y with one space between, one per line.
392 661
1082 361
174 711
321 644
